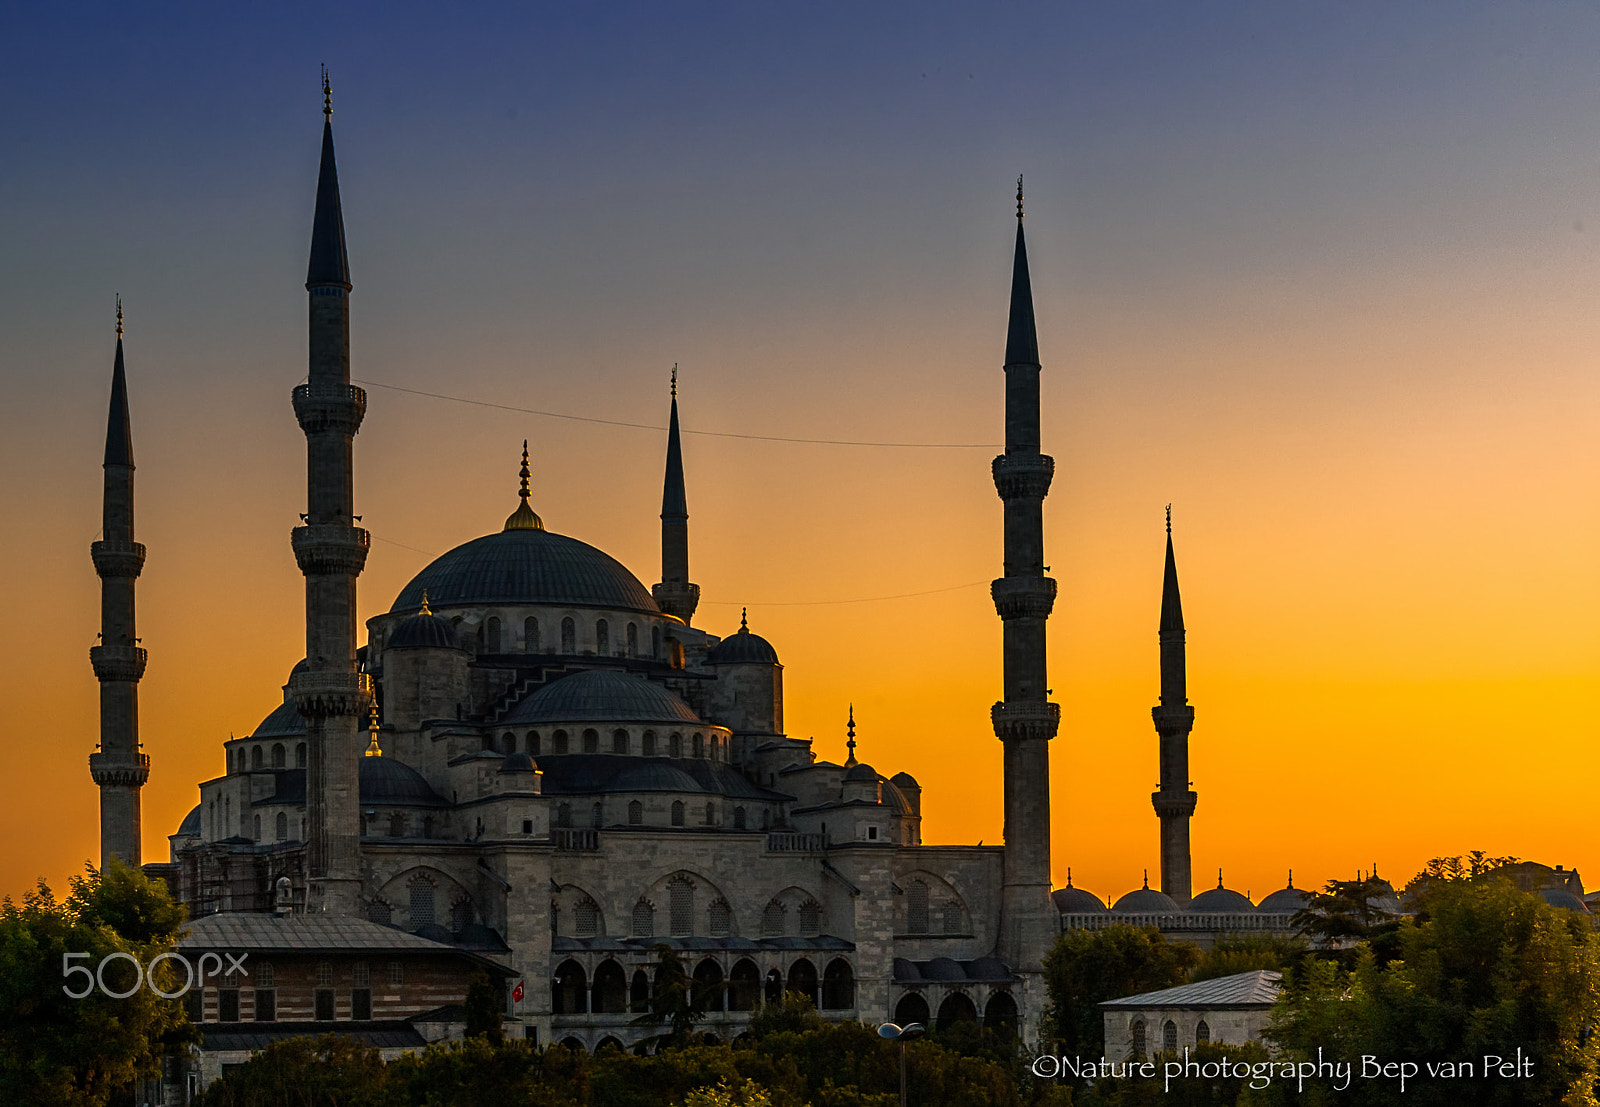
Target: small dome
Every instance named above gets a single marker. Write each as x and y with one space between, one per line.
284 722
527 567
861 773
742 648
190 827
1221 901
423 631
1286 900
518 763
904 780
1076 901
1560 897
1146 901
602 695
654 775
387 781
943 968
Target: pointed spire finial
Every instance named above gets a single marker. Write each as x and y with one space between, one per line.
850 736
1147 878
327 95
119 315
425 610
373 749
744 620
1291 878
674 380
1069 876
525 474
1019 197
1219 876
524 518
1169 519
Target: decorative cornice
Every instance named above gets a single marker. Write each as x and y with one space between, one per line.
1025 720
330 407
118 559
1023 597
330 549
1023 476
325 695
118 663
120 768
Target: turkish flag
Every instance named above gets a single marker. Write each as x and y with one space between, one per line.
516 993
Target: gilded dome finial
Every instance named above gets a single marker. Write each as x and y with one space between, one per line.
524 518
744 620
119 315
425 610
373 749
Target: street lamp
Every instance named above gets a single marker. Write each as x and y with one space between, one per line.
902 1034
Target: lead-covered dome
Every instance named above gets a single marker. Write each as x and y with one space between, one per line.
742 648
1145 901
526 567
423 631
1221 901
1076 901
602 695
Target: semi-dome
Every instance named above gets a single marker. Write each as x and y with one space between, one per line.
602 695
526 567
1145 901
1560 897
1221 901
1076 901
518 762
190 827
285 721
1285 901
654 775
742 648
423 630
904 780
387 781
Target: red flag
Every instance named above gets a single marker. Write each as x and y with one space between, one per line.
516 993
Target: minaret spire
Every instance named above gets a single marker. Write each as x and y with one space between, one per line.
1025 720
675 595
118 768
1174 718
850 737
331 550
524 517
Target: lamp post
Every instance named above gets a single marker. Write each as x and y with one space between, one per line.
902 1034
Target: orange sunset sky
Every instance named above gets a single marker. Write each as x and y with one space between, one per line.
1324 280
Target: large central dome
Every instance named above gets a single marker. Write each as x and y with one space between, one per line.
526 567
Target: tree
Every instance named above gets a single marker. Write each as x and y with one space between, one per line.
1246 953
485 1008
1489 970
1087 967
1346 912
58 1050
334 1070
676 1002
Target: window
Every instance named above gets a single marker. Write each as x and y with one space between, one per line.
644 920
300 755
633 640
324 1004
281 826
324 973
530 634
508 743
810 918
255 829
378 912
421 892
917 908
597 816
569 635
655 642
619 741
533 743
559 740
635 812
194 1004
564 814
711 814
602 638
1202 1033
361 974
680 901
527 826
397 974
738 818
720 918
586 919
952 918
460 917
649 743
228 1004
397 825
591 741
491 635
279 755
255 757
677 812
361 1004
872 834
699 746
772 920
1169 1037
675 746
1138 1038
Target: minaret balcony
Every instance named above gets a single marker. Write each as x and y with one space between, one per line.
323 695
326 406
1173 719
118 559
678 598
1174 802
112 663
1025 720
131 769
1024 597
1023 476
330 548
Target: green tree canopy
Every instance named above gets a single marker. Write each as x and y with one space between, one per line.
1087 967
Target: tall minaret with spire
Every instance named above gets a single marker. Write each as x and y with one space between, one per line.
1025 720
675 594
331 550
119 768
1174 718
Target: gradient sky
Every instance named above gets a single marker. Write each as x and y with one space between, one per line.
1320 275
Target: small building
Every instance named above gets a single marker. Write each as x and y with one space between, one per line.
1233 1009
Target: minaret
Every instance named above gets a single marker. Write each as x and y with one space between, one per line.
1174 718
675 594
332 696
119 768
1026 720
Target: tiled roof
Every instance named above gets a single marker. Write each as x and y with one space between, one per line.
1246 989
255 931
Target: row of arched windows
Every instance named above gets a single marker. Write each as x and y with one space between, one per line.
422 897
493 638
678 814
999 1013
919 918
260 757
1169 1036
714 746
742 989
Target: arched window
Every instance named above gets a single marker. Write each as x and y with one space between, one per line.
491 635
655 643
533 743
610 989
597 815
591 741
633 640
744 985
699 746
571 989
255 828
564 814
738 818
675 746
711 814
460 915
772 988
772 920
619 741
644 920
508 742
951 913
421 902
803 979
917 908
810 918
912 1008
957 1007
639 992
1138 1039
397 825
1202 1033
838 986
558 741
677 812
586 919
255 757
569 635
530 635
719 916
680 907
708 985
649 749
1169 1037
279 756
635 812
602 638
1000 1015
282 826
300 755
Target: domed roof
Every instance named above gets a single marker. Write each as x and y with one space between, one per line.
602 695
1076 901
190 826
1145 901
742 648
943 968
654 775
904 780
526 567
385 780
1220 900
518 763
1560 897
861 773
285 721
1285 901
423 630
